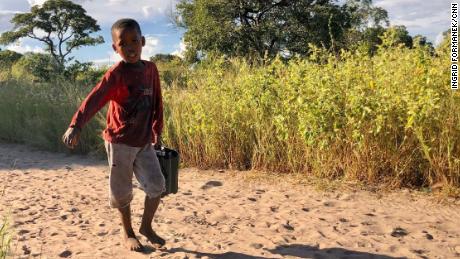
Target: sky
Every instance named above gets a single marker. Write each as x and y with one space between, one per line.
426 17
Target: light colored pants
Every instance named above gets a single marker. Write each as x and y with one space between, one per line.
123 161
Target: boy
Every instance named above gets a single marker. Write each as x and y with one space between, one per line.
134 121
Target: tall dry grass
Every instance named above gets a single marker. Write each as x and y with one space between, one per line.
39 113
5 238
388 119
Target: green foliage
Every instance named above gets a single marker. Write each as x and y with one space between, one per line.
35 67
389 119
39 113
172 69
7 59
84 74
395 36
60 24
267 28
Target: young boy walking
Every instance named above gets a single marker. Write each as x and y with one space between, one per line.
134 122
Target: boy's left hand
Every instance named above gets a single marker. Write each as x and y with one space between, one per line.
71 137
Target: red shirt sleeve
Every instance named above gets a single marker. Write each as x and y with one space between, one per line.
95 100
157 125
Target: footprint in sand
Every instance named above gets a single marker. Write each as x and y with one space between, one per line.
23 232
211 184
102 233
260 191
328 204
256 245
24 208
288 226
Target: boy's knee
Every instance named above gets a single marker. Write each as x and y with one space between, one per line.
120 201
155 189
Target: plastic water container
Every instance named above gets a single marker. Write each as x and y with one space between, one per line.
169 163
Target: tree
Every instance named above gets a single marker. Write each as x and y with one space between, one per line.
60 24
367 26
261 27
396 35
36 67
172 69
84 73
7 59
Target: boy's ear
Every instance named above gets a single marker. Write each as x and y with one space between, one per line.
143 41
113 47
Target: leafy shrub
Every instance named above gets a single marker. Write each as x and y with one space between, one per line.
35 67
391 118
39 113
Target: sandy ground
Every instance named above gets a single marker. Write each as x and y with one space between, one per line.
58 208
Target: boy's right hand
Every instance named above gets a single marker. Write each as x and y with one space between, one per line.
71 137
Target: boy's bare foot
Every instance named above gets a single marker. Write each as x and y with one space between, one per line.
152 236
133 244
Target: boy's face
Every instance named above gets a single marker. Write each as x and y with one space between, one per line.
128 44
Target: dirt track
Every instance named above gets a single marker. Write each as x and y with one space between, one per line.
58 208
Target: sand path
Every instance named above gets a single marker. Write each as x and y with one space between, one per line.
58 208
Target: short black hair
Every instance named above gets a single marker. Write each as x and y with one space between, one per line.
126 23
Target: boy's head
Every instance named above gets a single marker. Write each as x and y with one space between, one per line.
127 40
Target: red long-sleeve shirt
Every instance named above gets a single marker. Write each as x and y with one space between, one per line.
135 114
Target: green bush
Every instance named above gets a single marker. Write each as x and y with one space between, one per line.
35 67
391 118
39 113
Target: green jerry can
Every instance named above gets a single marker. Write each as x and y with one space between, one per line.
169 163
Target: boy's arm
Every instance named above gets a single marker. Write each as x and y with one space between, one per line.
95 100
157 125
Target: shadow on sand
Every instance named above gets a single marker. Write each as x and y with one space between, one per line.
295 250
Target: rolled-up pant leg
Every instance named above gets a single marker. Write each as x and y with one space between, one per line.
121 160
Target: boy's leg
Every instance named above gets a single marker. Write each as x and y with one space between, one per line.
148 173
151 205
121 158
130 239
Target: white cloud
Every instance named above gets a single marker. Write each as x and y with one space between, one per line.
428 18
5 17
180 49
23 48
439 39
107 12
36 2
8 12
150 11
152 47
421 22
